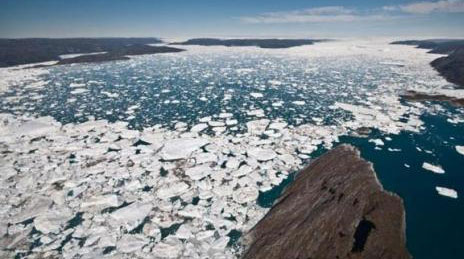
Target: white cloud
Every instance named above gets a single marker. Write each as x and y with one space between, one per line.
444 6
314 15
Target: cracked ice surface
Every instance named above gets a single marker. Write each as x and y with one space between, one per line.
215 127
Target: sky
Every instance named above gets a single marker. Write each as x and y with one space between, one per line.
179 19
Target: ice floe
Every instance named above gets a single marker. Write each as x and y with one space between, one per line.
447 192
433 168
460 149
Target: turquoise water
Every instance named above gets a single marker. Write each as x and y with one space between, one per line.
434 223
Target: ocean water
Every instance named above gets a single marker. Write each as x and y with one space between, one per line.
434 225
335 87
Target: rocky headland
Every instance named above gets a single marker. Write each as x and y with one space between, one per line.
335 208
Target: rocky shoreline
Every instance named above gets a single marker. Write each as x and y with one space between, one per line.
418 96
450 67
335 208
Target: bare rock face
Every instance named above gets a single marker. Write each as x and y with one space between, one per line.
335 208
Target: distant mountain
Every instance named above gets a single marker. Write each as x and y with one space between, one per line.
32 50
450 67
262 43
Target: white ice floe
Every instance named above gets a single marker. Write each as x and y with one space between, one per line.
460 149
261 154
257 127
256 95
181 148
102 202
434 168
199 127
246 194
198 172
447 192
299 102
132 215
377 142
131 243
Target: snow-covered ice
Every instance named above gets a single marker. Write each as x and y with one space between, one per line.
433 168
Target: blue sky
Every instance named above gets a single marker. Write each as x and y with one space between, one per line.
231 18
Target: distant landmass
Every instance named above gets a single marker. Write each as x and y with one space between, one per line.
119 54
32 50
450 67
261 43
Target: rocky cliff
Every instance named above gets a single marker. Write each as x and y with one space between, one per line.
335 208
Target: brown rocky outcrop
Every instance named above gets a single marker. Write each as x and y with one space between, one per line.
335 208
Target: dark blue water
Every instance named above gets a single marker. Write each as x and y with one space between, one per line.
434 223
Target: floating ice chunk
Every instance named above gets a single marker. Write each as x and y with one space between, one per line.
79 91
205 158
232 163
37 127
278 125
231 122
220 244
101 202
198 172
131 243
199 127
257 127
172 190
184 232
181 148
110 95
447 192
278 104
434 168
38 205
261 154
216 123
460 149
52 221
192 211
132 215
219 130
225 115
245 194
257 113
299 102
205 119
256 95
167 250
76 85
377 142
243 170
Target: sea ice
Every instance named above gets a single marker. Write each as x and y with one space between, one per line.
434 168
447 192
181 148
256 95
199 127
132 215
131 243
198 172
261 154
460 149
